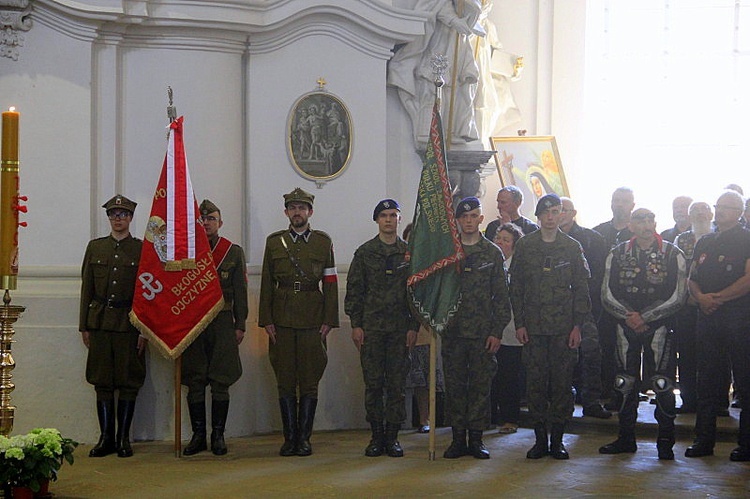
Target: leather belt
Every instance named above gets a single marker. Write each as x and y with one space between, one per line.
298 286
110 303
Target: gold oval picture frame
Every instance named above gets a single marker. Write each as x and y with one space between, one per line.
319 136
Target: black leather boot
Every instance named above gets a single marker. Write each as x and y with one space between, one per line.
705 432
541 446
219 411
664 448
625 443
288 407
377 442
105 411
197 442
125 410
392 446
458 447
556 446
476 446
307 406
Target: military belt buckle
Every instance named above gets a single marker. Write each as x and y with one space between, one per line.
110 303
297 286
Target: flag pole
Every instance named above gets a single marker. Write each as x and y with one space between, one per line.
172 116
439 66
433 389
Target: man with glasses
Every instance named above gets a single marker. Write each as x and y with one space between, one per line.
214 357
720 284
644 286
297 313
115 349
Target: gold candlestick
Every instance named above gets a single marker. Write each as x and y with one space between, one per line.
9 314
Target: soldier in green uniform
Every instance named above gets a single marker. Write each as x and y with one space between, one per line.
115 359
473 337
382 326
214 357
550 297
297 314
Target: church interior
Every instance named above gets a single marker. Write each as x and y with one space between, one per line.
92 80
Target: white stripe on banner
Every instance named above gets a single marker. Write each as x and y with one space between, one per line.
170 199
191 220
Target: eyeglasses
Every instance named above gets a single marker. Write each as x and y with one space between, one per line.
118 215
209 218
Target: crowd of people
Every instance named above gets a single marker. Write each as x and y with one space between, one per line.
614 311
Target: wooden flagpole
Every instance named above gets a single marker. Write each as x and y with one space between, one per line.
178 407
433 389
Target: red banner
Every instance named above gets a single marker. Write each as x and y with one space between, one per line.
178 292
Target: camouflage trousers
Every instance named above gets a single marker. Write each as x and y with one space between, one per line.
384 359
549 378
469 369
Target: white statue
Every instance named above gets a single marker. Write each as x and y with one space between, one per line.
410 70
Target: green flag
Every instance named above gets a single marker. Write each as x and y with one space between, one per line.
434 245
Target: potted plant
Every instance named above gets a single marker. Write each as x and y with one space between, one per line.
32 460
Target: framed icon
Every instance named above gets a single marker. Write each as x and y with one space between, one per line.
532 164
319 138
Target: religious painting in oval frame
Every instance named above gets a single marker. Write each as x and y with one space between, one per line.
319 136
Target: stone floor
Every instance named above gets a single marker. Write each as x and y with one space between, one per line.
338 468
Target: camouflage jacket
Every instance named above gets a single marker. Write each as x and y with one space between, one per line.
376 297
549 290
484 309
290 289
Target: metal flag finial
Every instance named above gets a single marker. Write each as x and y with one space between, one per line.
171 110
439 66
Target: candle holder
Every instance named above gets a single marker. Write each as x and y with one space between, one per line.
9 314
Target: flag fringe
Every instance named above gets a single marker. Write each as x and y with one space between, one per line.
175 352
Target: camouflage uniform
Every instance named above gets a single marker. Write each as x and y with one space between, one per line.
484 311
549 293
376 301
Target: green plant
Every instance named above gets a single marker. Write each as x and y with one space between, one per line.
27 460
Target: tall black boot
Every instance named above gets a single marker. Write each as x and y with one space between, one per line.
458 447
219 411
307 406
625 443
392 446
105 410
705 433
125 410
288 407
197 442
541 446
556 446
476 446
377 443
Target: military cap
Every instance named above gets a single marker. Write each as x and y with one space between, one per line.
299 196
386 204
547 202
207 207
467 204
120 201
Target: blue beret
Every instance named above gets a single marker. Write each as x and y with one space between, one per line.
386 204
467 204
547 202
